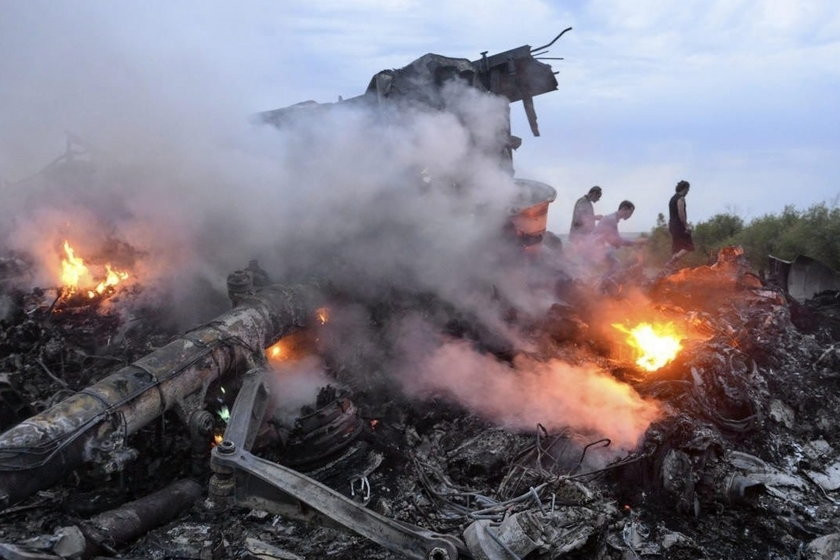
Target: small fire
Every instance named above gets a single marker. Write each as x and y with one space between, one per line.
323 315
291 348
276 352
217 439
75 273
73 269
655 345
112 278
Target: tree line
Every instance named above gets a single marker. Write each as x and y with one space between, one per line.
814 232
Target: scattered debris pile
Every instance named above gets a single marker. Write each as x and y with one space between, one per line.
744 460
688 416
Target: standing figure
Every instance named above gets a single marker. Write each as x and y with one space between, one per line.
606 231
584 217
607 236
681 242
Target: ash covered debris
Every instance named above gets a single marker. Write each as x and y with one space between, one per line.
443 394
742 462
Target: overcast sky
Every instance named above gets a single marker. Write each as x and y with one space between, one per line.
740 97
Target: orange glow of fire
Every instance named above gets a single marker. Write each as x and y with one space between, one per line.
276 352
217 439
112 278
654 344
74 272
73 268
323 315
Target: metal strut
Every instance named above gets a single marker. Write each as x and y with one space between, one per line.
256 482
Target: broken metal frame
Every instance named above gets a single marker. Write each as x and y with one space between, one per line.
244 479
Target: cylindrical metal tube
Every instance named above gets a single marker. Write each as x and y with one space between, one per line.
135 519
40 451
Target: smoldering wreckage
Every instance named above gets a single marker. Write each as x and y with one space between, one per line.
122 438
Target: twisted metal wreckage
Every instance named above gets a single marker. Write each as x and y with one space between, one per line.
755 372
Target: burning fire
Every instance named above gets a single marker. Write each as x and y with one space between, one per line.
74 273
323 315
655 345
291 348
73 269
112 278
276 352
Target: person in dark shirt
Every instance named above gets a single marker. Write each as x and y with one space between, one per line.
681 242
584 217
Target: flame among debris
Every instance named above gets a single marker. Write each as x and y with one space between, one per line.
276 352
654 344
292 347
323 315
76 275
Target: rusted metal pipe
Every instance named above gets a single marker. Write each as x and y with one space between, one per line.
92 425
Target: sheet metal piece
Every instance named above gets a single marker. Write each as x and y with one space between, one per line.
807 277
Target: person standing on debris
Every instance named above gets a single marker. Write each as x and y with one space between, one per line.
681 242
584 216
606 232
606 235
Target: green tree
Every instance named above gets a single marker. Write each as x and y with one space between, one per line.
762 237
718 231
659 242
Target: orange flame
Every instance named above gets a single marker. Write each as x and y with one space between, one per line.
217 439
75 272
323 315
655 345
73 269
112 278
276 352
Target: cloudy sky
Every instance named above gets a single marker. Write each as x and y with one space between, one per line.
737 96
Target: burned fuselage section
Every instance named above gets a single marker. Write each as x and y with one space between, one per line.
514 75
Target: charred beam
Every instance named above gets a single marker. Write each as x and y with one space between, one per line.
130 521
91 426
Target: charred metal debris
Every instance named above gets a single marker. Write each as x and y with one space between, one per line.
106 438
123 437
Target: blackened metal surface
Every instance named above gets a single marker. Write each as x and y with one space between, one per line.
41 450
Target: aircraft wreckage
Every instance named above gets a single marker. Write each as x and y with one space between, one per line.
133 441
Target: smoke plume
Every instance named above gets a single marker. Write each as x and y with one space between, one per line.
166 169
525 392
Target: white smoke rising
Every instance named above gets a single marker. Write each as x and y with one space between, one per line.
185 178
527 392
363 199
296 384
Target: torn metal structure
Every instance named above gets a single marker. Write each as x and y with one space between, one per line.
803 277
242 478
92 425
517 74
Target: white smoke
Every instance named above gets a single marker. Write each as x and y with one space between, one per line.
365 199
296 384
526 392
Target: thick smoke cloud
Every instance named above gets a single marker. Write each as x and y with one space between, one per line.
526 392
366 201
